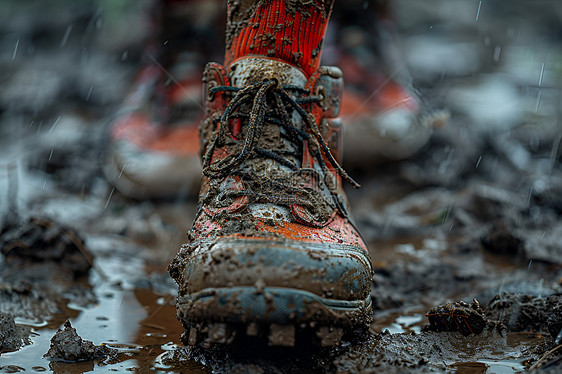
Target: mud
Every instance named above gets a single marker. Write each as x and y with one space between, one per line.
433 352
527 312
44 265
461 316
554 325
41 240
394 353
12 336
239 14
324 7
67 345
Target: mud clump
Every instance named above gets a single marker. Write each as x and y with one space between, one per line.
12 336
460 316
44 266
67 345
501 240
42 240
554 324
526 312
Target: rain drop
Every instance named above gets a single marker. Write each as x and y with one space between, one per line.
54 125
109 198
66 35
478 11
121 172
16 49
89 93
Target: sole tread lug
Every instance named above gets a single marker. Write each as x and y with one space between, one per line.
329 336
207 334
253 329
282 335
219 333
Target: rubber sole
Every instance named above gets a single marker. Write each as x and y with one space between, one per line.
218 315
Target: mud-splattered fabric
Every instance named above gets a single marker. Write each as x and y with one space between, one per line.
289 30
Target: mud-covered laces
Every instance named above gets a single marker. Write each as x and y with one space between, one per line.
269 102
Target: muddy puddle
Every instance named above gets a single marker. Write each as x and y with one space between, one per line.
133 313
139 325
475 214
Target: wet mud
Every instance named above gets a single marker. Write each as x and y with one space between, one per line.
461 316
12 336
67 345
40 241
44 265
526 312
475 214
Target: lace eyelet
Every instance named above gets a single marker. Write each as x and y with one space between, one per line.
321 91
210 94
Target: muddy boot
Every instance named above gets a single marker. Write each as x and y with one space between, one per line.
273 250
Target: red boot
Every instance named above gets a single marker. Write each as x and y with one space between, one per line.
273 248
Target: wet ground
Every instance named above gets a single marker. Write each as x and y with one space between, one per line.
474 215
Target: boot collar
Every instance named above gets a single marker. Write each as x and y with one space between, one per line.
251 70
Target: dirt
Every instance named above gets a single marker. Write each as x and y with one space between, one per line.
67 345
554 325
12 336
324 7
433 352
460 316
239 14
41 240
475 214
394 353
527 312
44 265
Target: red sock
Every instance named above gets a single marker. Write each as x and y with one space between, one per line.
279 30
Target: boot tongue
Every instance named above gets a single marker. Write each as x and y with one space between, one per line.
269 171
251 70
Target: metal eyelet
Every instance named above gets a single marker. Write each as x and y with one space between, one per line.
321 91
211 84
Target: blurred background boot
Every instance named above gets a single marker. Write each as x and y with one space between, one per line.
154 138
383 115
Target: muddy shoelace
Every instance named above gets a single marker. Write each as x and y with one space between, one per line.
271 103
